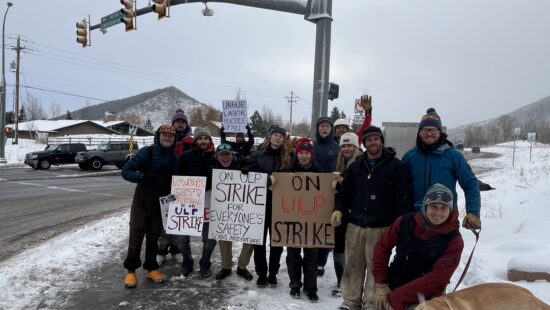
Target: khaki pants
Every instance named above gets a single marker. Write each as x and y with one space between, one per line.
227 254
356 290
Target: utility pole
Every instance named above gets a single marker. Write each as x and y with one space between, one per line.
291 101
17 49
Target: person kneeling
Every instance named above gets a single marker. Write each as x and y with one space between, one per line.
428 248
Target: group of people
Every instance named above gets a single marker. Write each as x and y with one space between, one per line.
381 203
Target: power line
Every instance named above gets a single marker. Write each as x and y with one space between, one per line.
58 92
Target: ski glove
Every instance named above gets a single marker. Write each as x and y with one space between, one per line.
381 296
337 181
244 171
471 221
336 219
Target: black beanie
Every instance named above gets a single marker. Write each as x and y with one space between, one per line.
430 119
372 130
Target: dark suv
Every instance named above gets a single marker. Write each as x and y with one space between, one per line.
110 153
54 155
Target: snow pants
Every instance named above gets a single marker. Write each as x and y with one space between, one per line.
296 265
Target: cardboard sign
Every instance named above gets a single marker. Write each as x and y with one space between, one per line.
237 211
186 215
302 206
235 116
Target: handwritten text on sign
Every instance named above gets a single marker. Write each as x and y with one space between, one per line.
186 215
235 116
302 206
237 210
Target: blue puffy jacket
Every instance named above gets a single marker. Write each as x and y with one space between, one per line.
444 165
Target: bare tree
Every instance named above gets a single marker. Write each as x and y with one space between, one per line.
34 109
270 118
85 112
55 109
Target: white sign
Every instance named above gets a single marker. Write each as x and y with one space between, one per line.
517 132
531 136
235 116
164 204
358 118
237 210
186 215
358 108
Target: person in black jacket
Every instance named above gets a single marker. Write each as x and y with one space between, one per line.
376 190
271 157
198 161
241 146
303 162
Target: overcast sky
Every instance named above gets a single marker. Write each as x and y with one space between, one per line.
470 59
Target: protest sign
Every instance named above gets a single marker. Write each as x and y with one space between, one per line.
186 215
164 204
237 211
302 206
235 116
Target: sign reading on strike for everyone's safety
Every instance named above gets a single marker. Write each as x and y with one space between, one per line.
237 211
186 215
302 206
235 116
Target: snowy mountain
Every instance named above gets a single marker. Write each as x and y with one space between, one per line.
158 105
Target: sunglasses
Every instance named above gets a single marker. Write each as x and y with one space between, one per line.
224 147
442 196
305 145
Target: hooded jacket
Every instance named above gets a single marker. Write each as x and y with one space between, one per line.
326 149
443 164
198 163
430 284
375 197
183 140
242 148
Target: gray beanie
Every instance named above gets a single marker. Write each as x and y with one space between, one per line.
438 193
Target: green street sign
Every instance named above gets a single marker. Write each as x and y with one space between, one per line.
111 19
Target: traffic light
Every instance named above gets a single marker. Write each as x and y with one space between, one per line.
333 91
82 32
162 8
129 14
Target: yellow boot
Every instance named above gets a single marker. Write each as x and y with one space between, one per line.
156 276
131 280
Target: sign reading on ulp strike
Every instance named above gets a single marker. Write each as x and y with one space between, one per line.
186 213
237 211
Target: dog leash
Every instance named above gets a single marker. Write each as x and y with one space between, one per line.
476 233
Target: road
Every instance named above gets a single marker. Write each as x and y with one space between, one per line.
36 205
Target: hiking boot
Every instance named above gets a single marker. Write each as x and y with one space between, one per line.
320 271
262 281
161 259
207 273
130 281
272 280
295 293
312 296
244 273
178 257
156 276
223 273
186 271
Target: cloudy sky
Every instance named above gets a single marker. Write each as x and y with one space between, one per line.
470 59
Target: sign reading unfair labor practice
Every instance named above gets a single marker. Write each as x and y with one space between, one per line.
235 116
237 211
302 206
186 215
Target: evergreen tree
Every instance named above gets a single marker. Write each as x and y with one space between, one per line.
334 114
22 114
10 117
258 125
148 125
69 115
342 114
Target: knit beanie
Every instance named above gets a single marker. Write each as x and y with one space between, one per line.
179 115
169 129
303 145
349 138
276 129
372 130
430 119
437 193
201 131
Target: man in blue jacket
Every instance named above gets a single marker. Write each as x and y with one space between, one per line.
435 160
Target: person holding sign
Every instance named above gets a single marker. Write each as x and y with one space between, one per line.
303 162
376 189
272 157
428 249
151 168
240 146
198 161
225 160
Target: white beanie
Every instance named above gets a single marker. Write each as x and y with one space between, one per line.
341 122
349 138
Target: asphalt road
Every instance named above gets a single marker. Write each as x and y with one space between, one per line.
36 205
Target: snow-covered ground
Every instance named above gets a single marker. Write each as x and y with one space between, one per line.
15 153
515 227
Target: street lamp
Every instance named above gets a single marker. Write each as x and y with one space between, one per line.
3 93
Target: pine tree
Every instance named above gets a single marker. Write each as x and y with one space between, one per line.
10 117
258 125
342 114
334 114
148 125
22 114
69 115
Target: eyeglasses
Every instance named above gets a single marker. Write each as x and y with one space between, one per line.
429 130
439 195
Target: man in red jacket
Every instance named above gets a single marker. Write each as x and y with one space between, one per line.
428 252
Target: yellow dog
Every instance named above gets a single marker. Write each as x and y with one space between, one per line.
489 296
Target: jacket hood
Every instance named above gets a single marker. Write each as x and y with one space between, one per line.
156 141
438 148
330 137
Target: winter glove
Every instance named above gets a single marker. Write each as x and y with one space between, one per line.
244 171
336 182
151 179
247 127
366 103
471 221
272 181
381 296
222 129
336 218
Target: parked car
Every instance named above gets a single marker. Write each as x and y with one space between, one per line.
110 153
54 155
476 149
